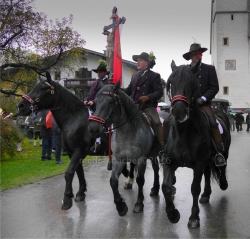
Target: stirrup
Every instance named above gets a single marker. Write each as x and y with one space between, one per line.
219 160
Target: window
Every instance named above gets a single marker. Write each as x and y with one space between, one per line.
232 17
225 90
83 73
230 64
57 75
225 41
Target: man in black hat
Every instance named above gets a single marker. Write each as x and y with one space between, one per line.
145 89
209 87
102 73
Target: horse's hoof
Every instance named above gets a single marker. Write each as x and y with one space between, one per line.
223 185
204 199
174 217
193 224
66 203
80 198
154 191
124 209
128 186
138 208
173 190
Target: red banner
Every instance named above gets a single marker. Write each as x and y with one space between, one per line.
117 63
49 120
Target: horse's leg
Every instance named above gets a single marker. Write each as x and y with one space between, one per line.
121 206
207 186
140 179
194 220
172 213
80 196
130 180
69 175
156 185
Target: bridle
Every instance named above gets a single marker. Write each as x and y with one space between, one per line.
33 102
101 120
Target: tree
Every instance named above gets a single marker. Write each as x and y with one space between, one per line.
31 44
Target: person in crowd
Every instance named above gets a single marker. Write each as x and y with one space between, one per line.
145 89
46 132
102 74
248 121
209 87
238 121
57 142
242 120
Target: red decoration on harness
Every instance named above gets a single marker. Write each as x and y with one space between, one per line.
26 97
179 97
97 119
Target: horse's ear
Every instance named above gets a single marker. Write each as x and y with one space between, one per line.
48 76
117 86
173 65
195 67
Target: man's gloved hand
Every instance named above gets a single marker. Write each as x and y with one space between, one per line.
200 101
144 98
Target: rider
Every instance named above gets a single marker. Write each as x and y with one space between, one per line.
209 87
102 73
145 89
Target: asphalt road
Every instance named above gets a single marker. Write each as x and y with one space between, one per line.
33 211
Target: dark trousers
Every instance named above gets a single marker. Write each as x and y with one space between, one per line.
46 147
58 145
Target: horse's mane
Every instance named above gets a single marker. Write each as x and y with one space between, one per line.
65 98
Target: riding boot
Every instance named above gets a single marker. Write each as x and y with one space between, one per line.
219 158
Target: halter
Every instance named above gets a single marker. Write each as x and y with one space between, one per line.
33 102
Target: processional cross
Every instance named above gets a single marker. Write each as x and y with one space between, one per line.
110 38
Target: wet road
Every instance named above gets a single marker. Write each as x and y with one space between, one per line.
33 211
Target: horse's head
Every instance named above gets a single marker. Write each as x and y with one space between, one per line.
107 111
182 89
38 99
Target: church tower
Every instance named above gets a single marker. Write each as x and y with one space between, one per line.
230 50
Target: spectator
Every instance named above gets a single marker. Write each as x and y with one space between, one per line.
57 143
248 121
46 132
238 121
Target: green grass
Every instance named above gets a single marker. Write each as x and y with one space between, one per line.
28 168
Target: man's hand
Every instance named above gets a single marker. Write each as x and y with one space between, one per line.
85 102
200 101
144 98
90 103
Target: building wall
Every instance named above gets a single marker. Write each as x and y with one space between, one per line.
238 50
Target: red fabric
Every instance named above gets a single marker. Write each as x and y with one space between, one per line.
49 119
117 63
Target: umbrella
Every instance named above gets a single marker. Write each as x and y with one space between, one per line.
247 111
236 111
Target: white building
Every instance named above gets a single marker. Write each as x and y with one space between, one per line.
79 81
230 50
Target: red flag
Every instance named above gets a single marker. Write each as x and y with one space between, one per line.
49 119
117 63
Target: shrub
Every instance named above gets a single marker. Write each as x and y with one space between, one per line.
9 137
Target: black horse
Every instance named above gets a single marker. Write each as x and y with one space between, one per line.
71 115
188 142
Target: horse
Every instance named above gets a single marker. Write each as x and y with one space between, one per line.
71 116
132 139
188 142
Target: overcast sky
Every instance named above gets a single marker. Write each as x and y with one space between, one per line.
167 27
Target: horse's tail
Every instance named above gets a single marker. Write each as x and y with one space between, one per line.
215 172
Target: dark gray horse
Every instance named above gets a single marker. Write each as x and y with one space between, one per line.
188 142
131 141
71 116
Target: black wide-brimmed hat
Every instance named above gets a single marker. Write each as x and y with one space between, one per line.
102 67
144 56
193 47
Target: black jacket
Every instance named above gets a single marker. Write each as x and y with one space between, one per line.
150 86
208 81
